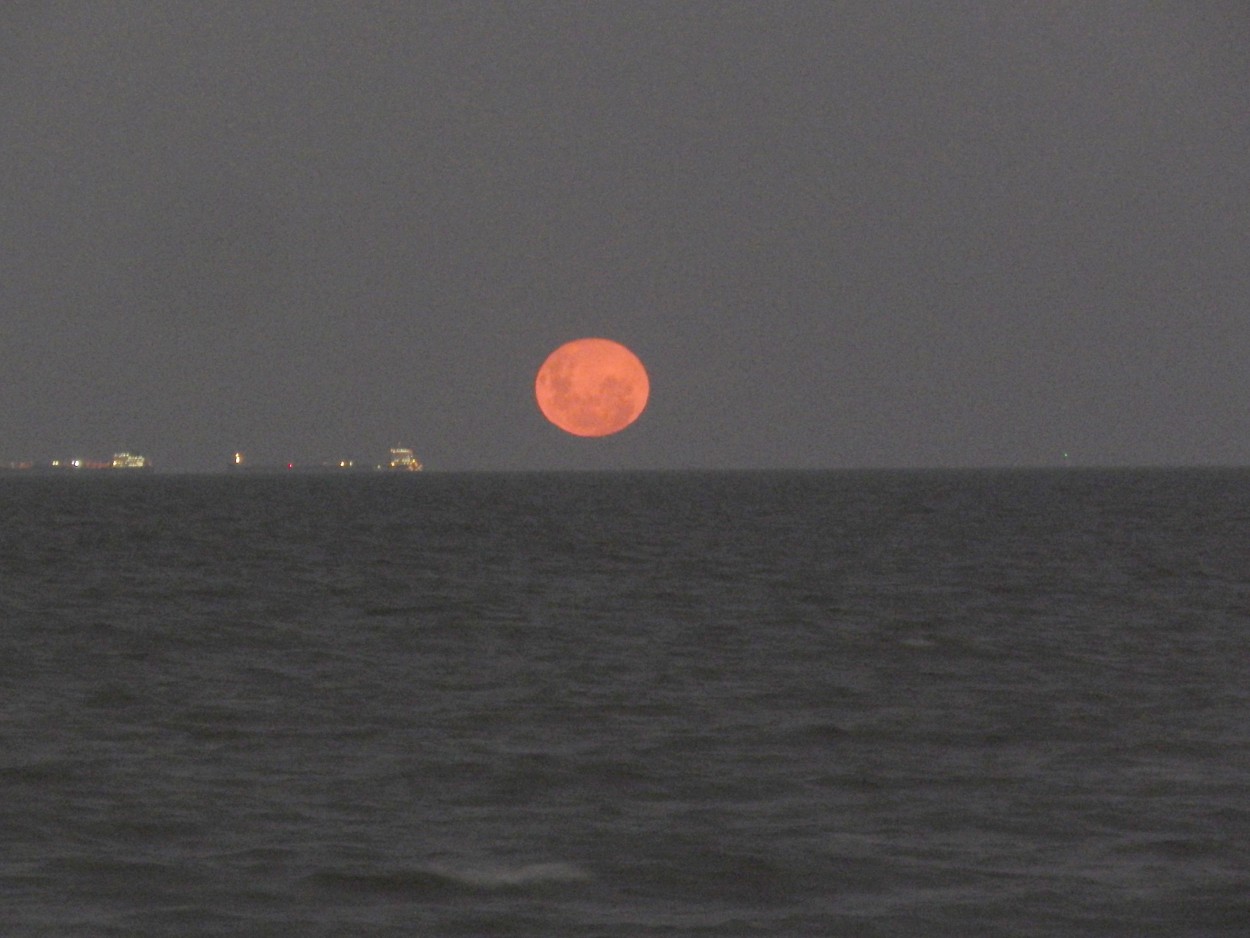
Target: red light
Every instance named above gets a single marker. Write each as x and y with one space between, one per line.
290 465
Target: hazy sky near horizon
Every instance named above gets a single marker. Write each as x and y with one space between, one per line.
838 234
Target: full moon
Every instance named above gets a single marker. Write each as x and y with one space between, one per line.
592 387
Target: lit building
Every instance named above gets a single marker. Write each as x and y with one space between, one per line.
128 461
404 460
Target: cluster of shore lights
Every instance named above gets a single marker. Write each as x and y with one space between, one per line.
401 458
119 461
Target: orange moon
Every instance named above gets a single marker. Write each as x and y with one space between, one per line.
592 387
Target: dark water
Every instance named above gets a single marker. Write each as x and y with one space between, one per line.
850 704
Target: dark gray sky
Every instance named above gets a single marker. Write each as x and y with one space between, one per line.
838 234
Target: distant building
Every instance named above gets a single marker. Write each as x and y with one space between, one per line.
404 460
128 461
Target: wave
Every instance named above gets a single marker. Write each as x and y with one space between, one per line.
530 874
430 880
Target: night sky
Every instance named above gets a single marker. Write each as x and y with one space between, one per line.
838 234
